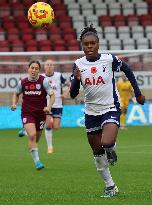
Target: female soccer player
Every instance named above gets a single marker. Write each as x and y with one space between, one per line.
95 72
53 119
34 89
126 92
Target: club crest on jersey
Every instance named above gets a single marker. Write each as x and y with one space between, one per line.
38 86
94 81
24 120
104 68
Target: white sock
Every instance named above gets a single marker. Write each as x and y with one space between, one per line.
35 154
103 170
48 136
25 133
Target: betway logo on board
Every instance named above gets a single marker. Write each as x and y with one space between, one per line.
33 92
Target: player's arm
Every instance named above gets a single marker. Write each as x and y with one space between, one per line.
131 77
51 102
75 82
50 92
16 95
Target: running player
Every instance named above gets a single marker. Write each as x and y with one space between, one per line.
53 119
126 92
34 89
95 72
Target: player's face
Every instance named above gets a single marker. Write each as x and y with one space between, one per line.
90 45
33 71
49 67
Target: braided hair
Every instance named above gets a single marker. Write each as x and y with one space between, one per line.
89 30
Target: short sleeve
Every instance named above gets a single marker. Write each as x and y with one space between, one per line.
19 87
63 80
47 86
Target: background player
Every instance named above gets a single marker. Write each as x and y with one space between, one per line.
34 88
102 108
53 119
126 92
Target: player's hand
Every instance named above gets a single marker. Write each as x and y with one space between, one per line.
141 99
47 109
77 73
13 107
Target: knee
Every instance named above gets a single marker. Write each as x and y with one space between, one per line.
32 137
107 142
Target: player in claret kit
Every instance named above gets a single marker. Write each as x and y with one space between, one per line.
34 89
95 72
53 118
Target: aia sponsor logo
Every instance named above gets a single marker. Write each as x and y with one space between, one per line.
94 81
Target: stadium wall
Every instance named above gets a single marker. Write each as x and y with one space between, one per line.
137 115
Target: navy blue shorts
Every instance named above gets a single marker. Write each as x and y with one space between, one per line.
56 112
95 123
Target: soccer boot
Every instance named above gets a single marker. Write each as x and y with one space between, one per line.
50 150
111 157
21 133
39 165
110 191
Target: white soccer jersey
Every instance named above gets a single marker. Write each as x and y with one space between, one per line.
101 94
55 81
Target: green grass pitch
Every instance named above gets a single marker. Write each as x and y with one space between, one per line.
70 177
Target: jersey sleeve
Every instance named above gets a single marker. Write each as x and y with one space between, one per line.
116 64
19 87
63 80
47 86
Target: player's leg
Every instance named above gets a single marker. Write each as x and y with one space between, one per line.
48 133
102 165
124 107
94 139
22 133
56 123
52 123
110 126
32 144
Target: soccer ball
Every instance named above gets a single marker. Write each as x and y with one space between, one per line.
40 15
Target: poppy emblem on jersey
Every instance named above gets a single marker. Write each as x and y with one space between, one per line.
32 87
93 70
38 86
24 120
